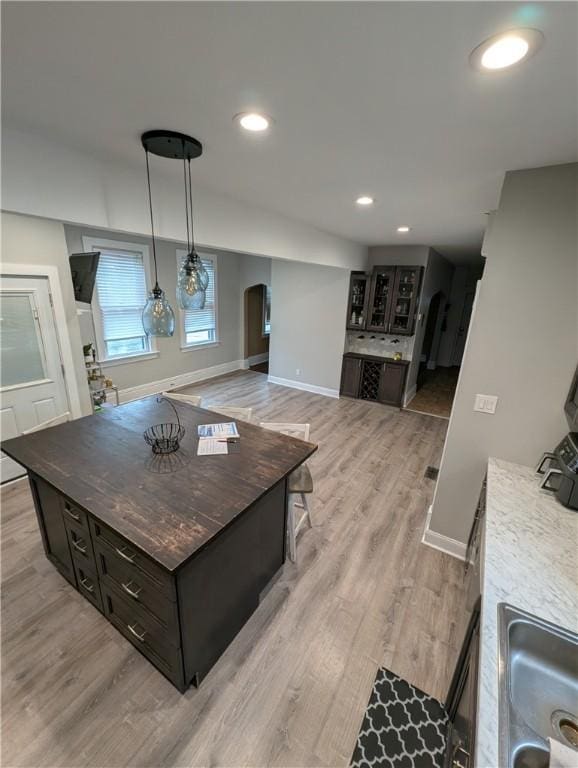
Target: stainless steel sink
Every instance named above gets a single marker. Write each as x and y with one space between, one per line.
538 688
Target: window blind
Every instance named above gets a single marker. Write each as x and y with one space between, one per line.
122 294
200 325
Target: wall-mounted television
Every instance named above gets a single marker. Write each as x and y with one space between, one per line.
83 267
571 406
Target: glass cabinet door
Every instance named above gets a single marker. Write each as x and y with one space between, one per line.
381 295
404 300
358 300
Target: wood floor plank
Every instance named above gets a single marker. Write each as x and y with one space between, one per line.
291 689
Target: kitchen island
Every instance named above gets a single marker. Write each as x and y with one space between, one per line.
174 550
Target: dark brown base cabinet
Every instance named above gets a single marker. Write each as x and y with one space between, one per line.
373 378
181 621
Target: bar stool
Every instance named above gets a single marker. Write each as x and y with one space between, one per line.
299 484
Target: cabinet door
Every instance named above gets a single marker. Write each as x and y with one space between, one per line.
391 384
350 376
404 300
358 301
380 299
461 701
48 503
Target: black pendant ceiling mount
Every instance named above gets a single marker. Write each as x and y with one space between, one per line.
172 144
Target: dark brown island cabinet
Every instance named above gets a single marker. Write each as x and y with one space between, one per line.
373 378
175 551
385 301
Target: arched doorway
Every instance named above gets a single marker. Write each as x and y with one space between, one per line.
257 327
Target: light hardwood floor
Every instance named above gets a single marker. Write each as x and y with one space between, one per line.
292 687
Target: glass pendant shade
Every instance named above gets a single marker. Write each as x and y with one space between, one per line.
158 318
192 282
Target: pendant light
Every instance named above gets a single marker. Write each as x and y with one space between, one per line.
158 318
193 278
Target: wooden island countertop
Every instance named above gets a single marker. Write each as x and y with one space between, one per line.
174 550
169 507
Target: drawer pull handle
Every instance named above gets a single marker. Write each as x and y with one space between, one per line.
69 510
78 546
87 584
132 630
122 553
132 592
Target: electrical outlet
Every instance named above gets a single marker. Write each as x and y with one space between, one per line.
486 403
297 371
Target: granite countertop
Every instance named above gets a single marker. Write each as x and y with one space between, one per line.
530 561
377 358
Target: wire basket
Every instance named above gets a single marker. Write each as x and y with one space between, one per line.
165 438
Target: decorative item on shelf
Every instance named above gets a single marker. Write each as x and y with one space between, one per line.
165 438
89 353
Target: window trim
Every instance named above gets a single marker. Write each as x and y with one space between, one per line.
207 256
90 243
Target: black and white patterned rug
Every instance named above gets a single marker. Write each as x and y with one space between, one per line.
402 728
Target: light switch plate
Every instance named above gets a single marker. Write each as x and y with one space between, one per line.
486 403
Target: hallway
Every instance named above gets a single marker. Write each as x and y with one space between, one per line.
436 395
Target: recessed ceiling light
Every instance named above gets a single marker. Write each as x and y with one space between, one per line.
253 121
364 200
403 229
505 50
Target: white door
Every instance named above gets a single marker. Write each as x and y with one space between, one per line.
32 388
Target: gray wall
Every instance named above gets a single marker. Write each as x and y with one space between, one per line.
406 255
173 361
523 341
308 308
29 240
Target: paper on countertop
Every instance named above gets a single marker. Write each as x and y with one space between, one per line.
226 429
209 446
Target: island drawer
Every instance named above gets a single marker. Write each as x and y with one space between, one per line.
133 559
136 586
145 633
80 544
88 584
72 512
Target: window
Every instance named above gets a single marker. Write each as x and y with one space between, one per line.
199 326
266 310
119 297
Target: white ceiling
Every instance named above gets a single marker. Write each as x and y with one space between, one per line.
373 98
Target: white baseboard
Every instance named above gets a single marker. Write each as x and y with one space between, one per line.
181 380
256 359
436 540
409 395
303 385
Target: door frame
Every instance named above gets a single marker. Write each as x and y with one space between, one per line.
59 315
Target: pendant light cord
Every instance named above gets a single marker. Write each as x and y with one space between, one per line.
191 205
186 199
152 223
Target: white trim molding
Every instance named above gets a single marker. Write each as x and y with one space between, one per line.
409 395
66 354
180 380
325 391
436 540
